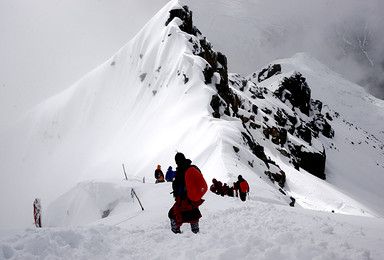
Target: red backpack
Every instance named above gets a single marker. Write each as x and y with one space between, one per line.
195 184
244 186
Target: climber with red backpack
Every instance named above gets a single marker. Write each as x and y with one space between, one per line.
189 187
242 186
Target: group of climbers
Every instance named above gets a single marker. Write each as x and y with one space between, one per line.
159 176
188 187
240 187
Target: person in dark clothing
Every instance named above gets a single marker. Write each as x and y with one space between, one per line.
216 187
220 189
184 210
159 176
37 212
170 174
227 190
242 186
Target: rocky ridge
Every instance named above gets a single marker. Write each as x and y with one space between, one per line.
286 116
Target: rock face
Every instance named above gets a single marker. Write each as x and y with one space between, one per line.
268 72
216 63
238 97
280 125
295 89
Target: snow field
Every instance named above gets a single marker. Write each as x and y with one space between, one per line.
229 229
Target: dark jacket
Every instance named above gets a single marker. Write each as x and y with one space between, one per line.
159 176
178 184
238 185
184 210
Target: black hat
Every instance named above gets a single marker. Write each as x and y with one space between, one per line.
179 158
239 177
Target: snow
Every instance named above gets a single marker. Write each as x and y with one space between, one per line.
229 229
137 109
360 148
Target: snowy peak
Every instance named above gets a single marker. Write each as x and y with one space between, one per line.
167 90
133 109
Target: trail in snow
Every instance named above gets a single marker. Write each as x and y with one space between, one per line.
229 229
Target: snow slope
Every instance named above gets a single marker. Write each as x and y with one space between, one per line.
355 156
229 229
140 107
133 109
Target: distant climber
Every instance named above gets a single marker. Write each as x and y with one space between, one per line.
242 186
188 188
159 176
170 174
216 187
227 190
37 212
220 189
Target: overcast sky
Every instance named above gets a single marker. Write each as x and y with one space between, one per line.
47 45
345 35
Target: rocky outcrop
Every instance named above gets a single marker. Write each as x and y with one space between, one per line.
295 90
312 162
268 72
216 65
275 123
279 124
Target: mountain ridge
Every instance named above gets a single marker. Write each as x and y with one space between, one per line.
103 125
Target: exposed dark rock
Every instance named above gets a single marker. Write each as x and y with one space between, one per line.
244 119
317 106
296 90
143 76
283 136
254 125
185 79
279 177
278 135
292 90
208 74
215 104
284 152
293 200
257 93
313 163
186 16
106 213
320 125
269 72
266 110
280 118
254 109
256 149
304 133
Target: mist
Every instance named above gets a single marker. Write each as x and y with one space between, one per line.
345 35
47 45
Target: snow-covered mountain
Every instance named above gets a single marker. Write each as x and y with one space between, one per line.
294 129
346 35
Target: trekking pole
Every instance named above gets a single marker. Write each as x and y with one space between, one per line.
125 172
133 191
